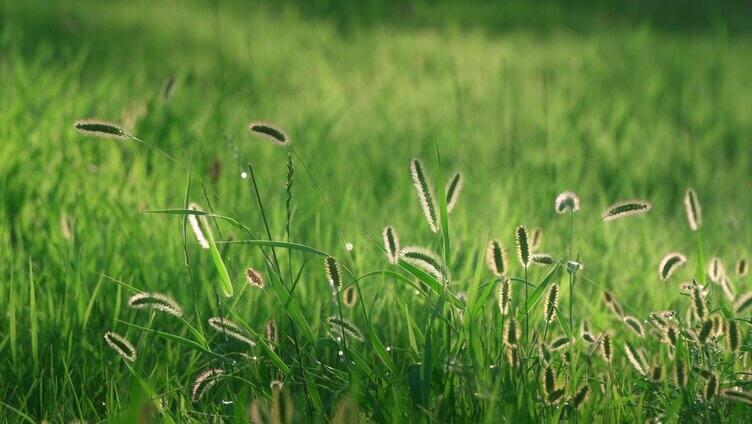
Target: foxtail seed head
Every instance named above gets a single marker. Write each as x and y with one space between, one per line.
504 296
733 335
333 273
269 132
426 260
453 190
254 278
98 128
737 394
542 259
560 343
391 244
567 202
225 326
699 306
680 373
612 304
204 382
711 387
580 396
511 332
496 258
635 325
552 303
425 194
693 209
350 296
716 270
342 327
536 238
121 345
158 301
669 264
634 358
271 332
742 268
606 348
523 246
626 208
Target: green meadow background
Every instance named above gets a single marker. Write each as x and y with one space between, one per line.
613 100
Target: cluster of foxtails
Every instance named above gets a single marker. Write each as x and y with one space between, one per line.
694 340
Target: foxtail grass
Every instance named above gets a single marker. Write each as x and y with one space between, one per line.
269 132
496 258
121 345
567 202
453 190
204 382
157 301
669 264
693 209
625 209
425 194
391 244
254 278
99 128
230 328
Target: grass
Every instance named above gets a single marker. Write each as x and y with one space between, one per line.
613 104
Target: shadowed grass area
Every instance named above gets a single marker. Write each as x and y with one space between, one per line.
526 101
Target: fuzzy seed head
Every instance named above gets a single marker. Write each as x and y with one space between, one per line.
523 246
705 331
734 335
634 358
425 194
552 303
626 208
269 132
204 382
635 325
511 332
453 190
121 345
350 297
504 295
230 328
699 306
548 382
426 260
254 278
496 258
560 343
716 270
391 244
567 202
271 332
737 394
542 259
669 264
580 396
606 348
342 327
98 128
728 289
656 375
742 268
158 301
333 273
711 387
612 305
536 239
693 209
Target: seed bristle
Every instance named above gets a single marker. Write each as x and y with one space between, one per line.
693 209
504 296
496 258
523 246
158 301
426 260
204 382
121 345
230 328
567 202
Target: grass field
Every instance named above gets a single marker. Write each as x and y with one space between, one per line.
612 102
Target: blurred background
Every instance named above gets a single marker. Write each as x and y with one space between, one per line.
611 99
